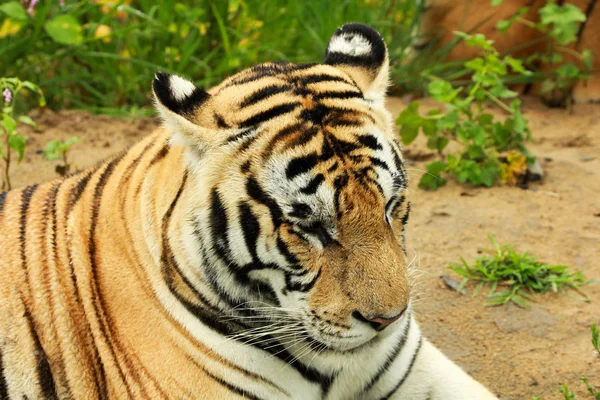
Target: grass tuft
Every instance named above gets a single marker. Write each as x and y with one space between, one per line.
514 276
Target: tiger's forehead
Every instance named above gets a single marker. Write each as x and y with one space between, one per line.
316 95
306 132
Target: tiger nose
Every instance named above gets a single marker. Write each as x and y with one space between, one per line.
377 322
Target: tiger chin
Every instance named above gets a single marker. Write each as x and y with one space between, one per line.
252 249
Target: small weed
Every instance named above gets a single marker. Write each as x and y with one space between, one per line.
592 390
55 149
595 338
481 138
511 274
11 91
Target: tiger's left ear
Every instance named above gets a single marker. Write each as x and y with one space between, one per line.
360 51
183 107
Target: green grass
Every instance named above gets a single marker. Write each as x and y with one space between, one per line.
513 276
63 50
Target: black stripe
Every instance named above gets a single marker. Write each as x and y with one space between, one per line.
380 163
370 141
255 191
26 195
264 93
77 191
406 216
301 210
219 227
391 358
221 122
289 257
241 135
301 165
99 305
300 286
316 78
2 201
44 374
313 185
315 115
269 114
305 136
346 94
280 136
3 383
162 153
244 393
410 367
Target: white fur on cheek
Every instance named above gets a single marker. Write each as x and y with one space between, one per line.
180 87
351 44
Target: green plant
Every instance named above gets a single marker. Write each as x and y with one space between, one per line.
559 26
465 121
591 389
595 335
12 140
102 56
517 273
55 149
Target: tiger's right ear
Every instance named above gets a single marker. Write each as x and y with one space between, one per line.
178 102
360 51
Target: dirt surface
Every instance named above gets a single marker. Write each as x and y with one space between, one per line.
517 353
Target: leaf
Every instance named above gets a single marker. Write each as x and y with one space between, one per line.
410 121
564 21
520 302
64 29
52 150
17 143
432 179
14 10
8 123
595 335
448 122
71 141
496 2
27 120
442 90
503 25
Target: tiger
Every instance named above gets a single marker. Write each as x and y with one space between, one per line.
252 248
440 18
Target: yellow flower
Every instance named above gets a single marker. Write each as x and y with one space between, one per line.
103 32
202 28
515 167
398 17
9 28
107 5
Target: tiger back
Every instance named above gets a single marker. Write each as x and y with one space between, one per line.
252 249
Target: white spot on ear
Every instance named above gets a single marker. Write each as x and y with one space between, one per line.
180 87
352 44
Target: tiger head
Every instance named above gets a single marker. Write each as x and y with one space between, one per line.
300 198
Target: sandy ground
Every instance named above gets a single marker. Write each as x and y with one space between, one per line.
517 353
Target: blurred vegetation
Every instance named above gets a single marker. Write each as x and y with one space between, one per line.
101 55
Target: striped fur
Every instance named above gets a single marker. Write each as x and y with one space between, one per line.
251 250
